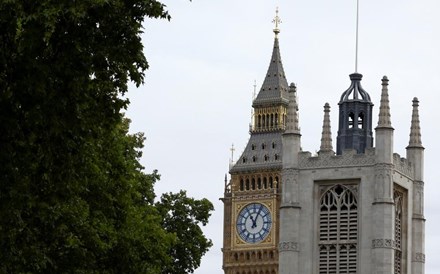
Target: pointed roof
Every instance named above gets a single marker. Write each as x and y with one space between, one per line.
415 136
275 87
326 138
264 149
384 109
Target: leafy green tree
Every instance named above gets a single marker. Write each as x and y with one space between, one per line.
73 196
182 216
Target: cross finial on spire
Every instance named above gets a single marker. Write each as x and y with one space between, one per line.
277 21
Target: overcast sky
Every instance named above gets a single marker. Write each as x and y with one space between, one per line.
196 100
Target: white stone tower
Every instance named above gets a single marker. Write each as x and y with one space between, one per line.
359 210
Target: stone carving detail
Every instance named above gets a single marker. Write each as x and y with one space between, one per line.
419 257
352 187
384 243
349 158
288 246
290 172
419 184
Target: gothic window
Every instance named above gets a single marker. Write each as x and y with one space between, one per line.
276 157
338 231
264 183
263 146
253 184
241 185
247 184
266 158
273 145
259 183
253 146
270 182
398 201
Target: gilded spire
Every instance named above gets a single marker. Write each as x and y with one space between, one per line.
415 137
275 87
276 21
384 109
326 139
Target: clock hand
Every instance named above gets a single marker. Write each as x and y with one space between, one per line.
259 211
254 221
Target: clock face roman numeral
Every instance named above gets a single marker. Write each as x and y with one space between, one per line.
254 223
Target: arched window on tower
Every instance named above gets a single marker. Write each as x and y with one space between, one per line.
241 184
338 231
351 120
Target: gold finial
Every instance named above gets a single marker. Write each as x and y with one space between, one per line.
277 21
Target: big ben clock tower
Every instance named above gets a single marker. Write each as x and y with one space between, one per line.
252 196
356 210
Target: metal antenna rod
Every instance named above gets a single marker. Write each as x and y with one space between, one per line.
357 37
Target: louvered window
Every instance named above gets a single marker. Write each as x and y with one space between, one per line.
338 231
398 201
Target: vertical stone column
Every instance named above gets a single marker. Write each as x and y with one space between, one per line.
383 242
289 224
415 155
290 208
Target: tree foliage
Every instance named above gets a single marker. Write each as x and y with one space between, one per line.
182 216
73 196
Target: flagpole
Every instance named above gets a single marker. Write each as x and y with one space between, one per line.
357 37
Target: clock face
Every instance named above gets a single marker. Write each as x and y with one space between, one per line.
254 222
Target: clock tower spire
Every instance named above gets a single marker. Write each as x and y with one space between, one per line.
251 222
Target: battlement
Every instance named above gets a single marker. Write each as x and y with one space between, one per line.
349 158
402 165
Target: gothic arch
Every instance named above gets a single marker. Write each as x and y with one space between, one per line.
338 232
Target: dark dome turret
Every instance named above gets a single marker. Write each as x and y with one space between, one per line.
355 118
355 91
